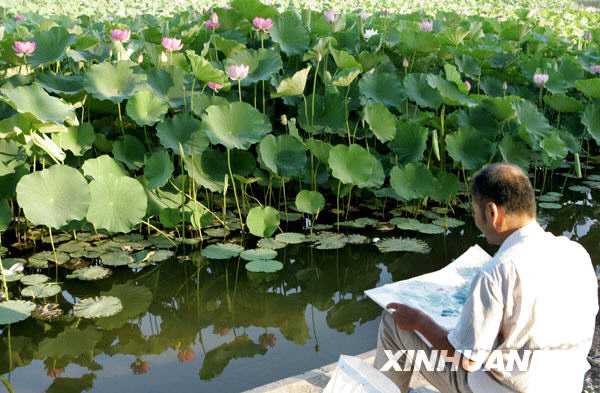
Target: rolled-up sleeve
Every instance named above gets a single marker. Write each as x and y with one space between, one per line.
476 333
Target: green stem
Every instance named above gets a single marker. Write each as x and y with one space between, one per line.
337 204
53 252
312 113
240 89
4 286
121 119
237 203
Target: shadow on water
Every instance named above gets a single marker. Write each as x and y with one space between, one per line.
208 327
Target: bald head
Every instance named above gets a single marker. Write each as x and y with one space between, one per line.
507 186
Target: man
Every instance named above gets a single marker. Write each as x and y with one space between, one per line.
538 293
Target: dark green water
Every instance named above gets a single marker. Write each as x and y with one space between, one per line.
210 327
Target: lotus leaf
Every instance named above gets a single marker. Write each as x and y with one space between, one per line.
591 120
291 238
293 86
513 150
13 311
413 181
554 146
589 87
332 242
70 342
34 100
101 166
53 196
5 215
59 83
263 63
290 33
407 224
356 239
182 131
533 125
283 155
130 151
91 273
158 169
381 121
34 279
550 205
329 114
563 103
222 251
98 307
445 187
258 254
270 244
581 189
409 143
384 88
113 82
468 147
262 221
117 258
418 90
146 108
396 244
310 202
203 70
448 222
41 291
76 139
451 95
355 165
264 266
135 300
51 45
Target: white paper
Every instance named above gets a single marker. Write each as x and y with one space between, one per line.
352 375
440 294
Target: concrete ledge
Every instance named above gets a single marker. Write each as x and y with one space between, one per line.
314 381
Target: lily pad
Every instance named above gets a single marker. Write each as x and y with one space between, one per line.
146 108
396 244
34 279
550 205
13 311
581 189
264 266
113 82
291 238
41 291
98 307
448 222
270 244
118 258
222 251
258 254
91 273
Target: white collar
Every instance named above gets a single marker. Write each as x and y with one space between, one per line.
531 228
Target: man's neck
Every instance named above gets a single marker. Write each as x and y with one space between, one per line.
514 225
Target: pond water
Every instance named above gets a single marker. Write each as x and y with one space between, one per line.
191 325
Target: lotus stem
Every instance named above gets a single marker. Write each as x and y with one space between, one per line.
6 383
337 204
4 285
349 199
120 119
312 105
237 203
53 252
240 89
442 139
284 198
578 166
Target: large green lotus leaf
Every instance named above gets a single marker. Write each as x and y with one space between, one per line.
291 238
564 76
101 166
533 125
589 87
330 114
318 148
412 181
257 254
450 93
283 155
222 251
13 311
480 119
470 148
554 146
446 186
34 100
41 291
158 169
92 273
59 83
396 244
113 82
98 307
146 108
76 139
381 121
251 8
51 45
118 203
263 64
501 107
344 77
5 215
130 151
409 143
355 165
515 151
290 33
204 70
135 300
563 103
70 342
591 120
264 266
344 59
199 102
182 132
116 258
54 197
385 88
310 202
210 167
34 279
293 86
418 90
236 125
262 221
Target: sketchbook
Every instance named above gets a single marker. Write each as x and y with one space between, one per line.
440 294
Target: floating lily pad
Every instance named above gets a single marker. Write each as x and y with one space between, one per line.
160 255
118 258
216 232
270 244
98 307
448 222
258 254
549 198
356 239
396 244
330 241
91 273
430 229
264 266
34 279
41 291
40 260
581 189
12 311
222 251
359 222
135 300
291 238
550 205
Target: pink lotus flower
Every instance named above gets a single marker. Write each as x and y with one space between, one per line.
214 86
330 16
540 79
120 35
238 71
262 24
19 18
364 15
595 69
171 44
24 48
213 22
140 366
468 85
186 355
426 26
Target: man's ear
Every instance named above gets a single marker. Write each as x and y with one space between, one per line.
496 215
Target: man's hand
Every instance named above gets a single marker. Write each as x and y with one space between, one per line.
406 317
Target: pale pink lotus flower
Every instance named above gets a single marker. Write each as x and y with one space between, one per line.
595 69
14 269
330 16
238 71
405 63
171 44
120 35
213 22
426 26
19 18
370 33
468 85
24 48
540 79
364 15
215 86
262 24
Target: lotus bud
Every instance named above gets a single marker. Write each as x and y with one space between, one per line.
364 15
140 58
214 86
213 22
426 26
19 18
284 120
330 16
24 48
468 85
595 69
120 35
238 71
540 79
163 57
171 44
504 86
405 63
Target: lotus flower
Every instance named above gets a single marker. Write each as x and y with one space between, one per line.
120 35
468 85
405 63
24 48
140 367
238 72
186 355
140 58
14 269
267 340
214 86
370 33
330 16
213 22
540 79
55 372
262 24
171 44
426 26
364 15
19 18
595 69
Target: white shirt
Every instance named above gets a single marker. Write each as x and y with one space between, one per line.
539 292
